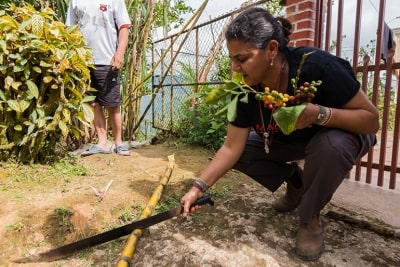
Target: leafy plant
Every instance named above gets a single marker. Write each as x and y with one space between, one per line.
59 6
66 167
63 215
167 14
126 215
44 74
168 201
236 90
202 124
18 226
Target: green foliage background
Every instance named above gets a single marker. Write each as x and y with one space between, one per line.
203 125
44 74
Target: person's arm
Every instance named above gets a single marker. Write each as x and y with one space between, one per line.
358 116
118 59
224 159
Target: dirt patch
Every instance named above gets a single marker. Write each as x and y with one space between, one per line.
240 230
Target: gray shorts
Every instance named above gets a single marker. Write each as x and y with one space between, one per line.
107 82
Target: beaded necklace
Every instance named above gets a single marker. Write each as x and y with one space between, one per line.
272 127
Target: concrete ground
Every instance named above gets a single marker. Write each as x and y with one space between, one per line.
369 200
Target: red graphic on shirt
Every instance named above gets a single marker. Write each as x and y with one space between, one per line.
103 7
270 127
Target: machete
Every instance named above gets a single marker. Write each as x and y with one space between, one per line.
70 249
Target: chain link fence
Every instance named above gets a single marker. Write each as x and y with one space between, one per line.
188 60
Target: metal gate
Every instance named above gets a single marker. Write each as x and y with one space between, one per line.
377 74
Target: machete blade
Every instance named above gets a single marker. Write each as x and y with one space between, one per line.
72 248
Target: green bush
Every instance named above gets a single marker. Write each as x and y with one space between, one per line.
202 125
44 74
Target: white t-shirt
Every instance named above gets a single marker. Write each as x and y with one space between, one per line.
99 21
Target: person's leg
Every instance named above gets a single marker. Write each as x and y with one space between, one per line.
113 101
116 124
100 125
330 155
272 169
98 77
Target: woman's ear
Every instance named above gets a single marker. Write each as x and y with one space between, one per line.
273 48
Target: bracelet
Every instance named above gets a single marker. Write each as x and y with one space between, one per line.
201 185
324 115
330 112
196 185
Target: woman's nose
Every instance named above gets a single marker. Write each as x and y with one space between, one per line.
235 66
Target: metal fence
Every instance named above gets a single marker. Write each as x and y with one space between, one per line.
179 75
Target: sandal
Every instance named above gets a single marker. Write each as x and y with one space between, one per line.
122 150
95 149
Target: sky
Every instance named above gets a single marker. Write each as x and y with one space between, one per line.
216 8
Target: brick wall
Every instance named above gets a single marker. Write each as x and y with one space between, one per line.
301 13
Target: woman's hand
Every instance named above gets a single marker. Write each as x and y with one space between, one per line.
188 199
307 117
222 162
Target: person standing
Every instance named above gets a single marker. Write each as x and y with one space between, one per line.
335 129
105 25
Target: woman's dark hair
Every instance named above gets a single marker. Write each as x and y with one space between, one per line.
257 26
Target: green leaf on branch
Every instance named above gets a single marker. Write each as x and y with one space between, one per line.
63 127
37 69
87 114
232 109
286 117
45 64
67 114
245 99
2 96
15 85
37 24
8 81
18 105
18 127
216 95
232 89
33 89
47 79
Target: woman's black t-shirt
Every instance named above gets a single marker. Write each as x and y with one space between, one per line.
339 85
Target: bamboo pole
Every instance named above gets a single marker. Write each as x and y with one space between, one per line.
130 245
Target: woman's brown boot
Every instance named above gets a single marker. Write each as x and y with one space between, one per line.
309 240
290 200
294 191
